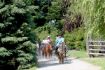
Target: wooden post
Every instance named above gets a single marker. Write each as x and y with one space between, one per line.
87 44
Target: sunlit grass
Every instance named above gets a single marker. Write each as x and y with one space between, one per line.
77 54
82 55
97 61
33 68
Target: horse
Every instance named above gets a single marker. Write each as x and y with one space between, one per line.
47 50
61 53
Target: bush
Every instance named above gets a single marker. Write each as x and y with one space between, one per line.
75 39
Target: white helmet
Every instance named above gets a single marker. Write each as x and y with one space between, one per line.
48 36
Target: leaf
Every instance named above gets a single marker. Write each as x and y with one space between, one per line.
4 9
18 10
4 52
1 25
13 39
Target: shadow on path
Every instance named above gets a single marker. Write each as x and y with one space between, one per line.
52 62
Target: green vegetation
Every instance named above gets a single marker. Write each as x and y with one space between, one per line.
91 19
17 48
33 68
43 32
75 39
23 22
77 54
92 15
82 55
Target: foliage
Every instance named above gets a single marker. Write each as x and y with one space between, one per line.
33 68
48 11
43 32
59 15
18 19
41 12
95 12
92 14
54 11
75 39
16 25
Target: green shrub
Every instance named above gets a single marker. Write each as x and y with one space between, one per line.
75 39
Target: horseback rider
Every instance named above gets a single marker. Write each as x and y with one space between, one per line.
47 47
46 41
59 42
49 39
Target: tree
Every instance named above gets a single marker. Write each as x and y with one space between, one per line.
94 18
41 12
16 24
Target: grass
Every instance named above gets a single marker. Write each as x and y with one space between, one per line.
82 55
77 54
97 61
33 68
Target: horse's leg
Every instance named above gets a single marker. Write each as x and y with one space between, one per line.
46 53
42 51
49 51
65 52
59 57
62 57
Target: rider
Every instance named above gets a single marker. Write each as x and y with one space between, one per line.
59 41
49 40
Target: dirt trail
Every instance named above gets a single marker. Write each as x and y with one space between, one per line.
70 64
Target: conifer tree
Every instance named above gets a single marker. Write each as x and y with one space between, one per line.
16 40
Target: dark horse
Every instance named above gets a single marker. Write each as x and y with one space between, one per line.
61 53
47 50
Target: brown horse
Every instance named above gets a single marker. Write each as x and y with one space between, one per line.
61 52
47 50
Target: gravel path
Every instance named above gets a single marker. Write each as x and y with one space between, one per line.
69 64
